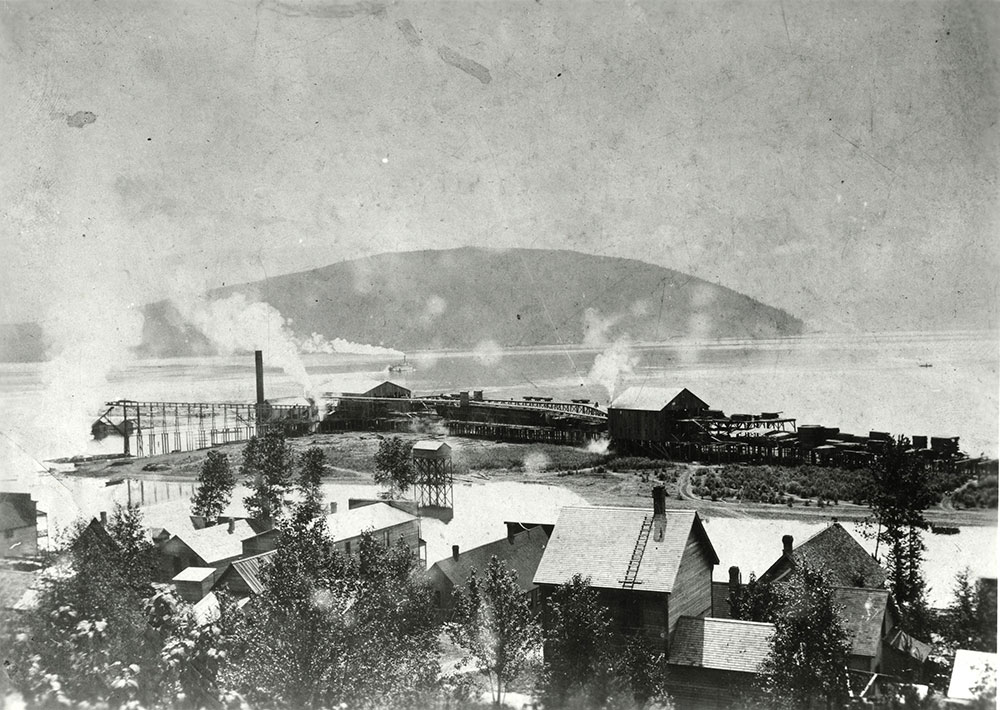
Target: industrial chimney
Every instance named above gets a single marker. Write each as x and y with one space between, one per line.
258 359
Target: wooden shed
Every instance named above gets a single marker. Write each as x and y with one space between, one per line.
649 415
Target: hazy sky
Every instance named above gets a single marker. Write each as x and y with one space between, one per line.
835 159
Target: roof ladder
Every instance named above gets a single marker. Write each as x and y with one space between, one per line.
640 547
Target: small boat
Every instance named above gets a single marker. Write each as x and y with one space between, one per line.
925 364
402 366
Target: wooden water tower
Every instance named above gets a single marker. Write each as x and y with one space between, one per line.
434 471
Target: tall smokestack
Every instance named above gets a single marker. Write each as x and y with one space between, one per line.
258 361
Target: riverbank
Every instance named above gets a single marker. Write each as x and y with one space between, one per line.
590 474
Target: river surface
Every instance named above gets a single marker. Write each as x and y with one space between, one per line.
934 384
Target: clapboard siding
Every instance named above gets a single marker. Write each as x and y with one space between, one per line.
636 425
692 595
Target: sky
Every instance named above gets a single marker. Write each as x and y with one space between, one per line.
835 159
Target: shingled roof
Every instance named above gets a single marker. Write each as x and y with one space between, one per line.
216 543
863 611
835 551
521 554
722 644
350 523
598 542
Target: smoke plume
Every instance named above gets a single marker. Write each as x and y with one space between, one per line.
316 343
237 324
616 361
88 339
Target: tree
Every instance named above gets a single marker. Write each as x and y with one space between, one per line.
394 466
89 640
970 621
810 647
493 624
757 601
267 468
900 493
215 486
577 647
312 464
329 629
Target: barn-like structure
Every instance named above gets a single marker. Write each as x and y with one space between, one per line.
649 419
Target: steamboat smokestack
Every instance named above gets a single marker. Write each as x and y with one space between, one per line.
258 359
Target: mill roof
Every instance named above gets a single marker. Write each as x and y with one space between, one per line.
722 644
251 569
216 543
354 384
599 542
863 611
834 550
354 521
649 399
521 554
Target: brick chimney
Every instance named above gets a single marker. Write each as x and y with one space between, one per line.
659 501
232 525
104 518
735 580
454 552
786 544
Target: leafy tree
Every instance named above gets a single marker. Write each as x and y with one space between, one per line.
312 464
89 639
577 647
900 493
267 468
493 624
394 465
215 486
970 621
329 630
810 648
756 601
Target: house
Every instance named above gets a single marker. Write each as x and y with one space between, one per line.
650 570
973 676
837 552
519 551
18 525
648 417
386 521
245 574
713 662
213 546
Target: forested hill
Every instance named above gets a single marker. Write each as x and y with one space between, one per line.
460 298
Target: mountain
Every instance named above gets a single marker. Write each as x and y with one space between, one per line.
463 298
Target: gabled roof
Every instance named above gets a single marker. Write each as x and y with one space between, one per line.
251 569
354 384
722 644
216 543
521 555
970 670
17 510
354 521
598 542
428 445
863 611
649 399
834 550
